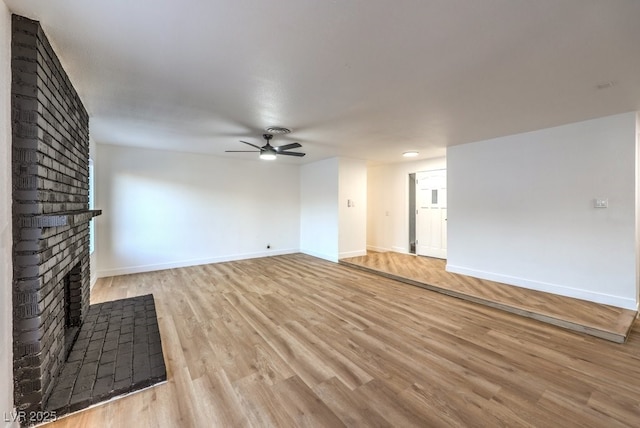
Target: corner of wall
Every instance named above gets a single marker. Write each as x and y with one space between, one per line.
637 195
6 239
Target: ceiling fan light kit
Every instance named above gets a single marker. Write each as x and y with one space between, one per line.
268 155
269 152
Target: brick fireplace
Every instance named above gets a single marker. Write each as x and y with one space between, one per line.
50 166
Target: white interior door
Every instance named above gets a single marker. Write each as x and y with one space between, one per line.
431 214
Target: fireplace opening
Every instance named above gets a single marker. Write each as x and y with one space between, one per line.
72 306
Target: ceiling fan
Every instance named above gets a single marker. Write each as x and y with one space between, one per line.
269 152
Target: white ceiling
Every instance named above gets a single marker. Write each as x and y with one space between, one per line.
359 78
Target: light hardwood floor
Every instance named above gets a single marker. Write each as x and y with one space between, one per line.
294 341
607 322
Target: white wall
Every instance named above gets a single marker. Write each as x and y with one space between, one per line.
388 203
166 209
319 217
521 210
6 238
352 186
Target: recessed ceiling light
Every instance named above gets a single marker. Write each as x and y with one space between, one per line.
410 154
277 130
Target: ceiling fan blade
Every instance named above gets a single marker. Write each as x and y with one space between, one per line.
292 154
279 149
252 145
242 151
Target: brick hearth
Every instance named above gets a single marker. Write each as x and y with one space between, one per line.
118 351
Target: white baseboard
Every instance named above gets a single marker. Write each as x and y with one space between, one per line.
576 293
331 258
348 254
394 249
401 250
194 262
378 249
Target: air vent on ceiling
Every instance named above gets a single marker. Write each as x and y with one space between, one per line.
277 130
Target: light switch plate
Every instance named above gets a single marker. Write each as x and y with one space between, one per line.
600 203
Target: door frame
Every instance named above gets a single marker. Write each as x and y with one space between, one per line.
412 213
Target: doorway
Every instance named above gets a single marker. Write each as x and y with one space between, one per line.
412 213
431 213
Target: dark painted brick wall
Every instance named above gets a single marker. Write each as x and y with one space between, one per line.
50 129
